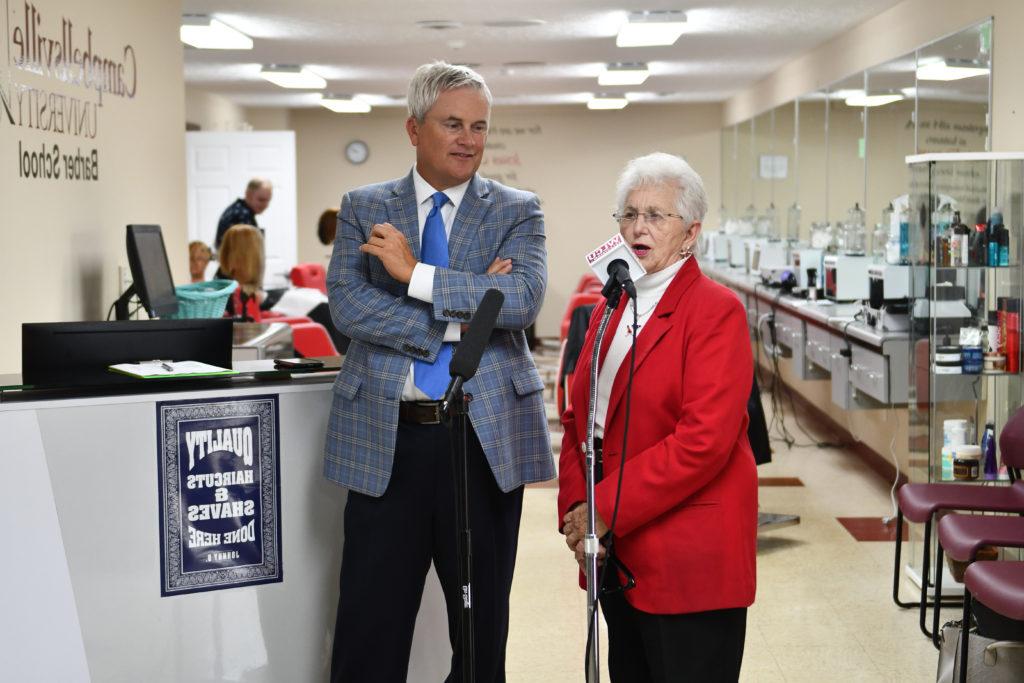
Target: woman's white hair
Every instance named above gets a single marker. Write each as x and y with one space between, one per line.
430 80
661 168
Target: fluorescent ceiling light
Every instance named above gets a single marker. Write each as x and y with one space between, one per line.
607 102
292 77
345 105
864 100
624 74
205 33
645 29
950 69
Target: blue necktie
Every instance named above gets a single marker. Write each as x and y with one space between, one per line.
432 378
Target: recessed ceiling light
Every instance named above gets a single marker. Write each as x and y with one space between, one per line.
645 29
862 99
292 76
199 30
624 74
938 69
439 24
523 64
514 23
345 104
607 102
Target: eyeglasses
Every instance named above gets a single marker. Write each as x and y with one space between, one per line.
653 218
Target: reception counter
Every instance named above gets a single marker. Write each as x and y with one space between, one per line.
83 585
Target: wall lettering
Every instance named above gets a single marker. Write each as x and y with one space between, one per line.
84 67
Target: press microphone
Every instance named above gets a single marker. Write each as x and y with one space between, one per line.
618 276
466 358
617 267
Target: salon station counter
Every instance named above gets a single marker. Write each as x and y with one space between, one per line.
846 370
83 577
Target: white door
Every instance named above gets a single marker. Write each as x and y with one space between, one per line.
220 165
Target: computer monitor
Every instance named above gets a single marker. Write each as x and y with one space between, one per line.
151 274
78 354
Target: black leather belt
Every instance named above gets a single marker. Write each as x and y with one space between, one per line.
598 459
420 412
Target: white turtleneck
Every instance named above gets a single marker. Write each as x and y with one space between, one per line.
649 290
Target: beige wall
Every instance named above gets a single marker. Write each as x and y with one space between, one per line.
569 156
267 118
900 30
61 240
212 112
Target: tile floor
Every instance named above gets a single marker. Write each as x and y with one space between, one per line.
823 609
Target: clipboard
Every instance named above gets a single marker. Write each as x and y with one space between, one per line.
166 369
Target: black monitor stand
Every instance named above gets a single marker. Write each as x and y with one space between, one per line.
121 305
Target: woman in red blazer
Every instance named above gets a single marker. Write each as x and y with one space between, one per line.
686 526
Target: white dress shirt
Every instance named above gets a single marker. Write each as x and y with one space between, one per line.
421 284
649 290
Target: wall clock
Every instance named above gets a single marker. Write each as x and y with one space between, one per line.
357 152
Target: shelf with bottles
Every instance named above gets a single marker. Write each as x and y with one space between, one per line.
967 458
961 222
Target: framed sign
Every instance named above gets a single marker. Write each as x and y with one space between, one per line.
774 166
219 485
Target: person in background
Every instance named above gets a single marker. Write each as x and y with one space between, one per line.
241 259
327 226
412 259
680 557
243 211
199 256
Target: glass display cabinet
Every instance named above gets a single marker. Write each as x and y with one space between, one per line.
966 214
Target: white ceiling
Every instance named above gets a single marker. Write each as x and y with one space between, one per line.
370 47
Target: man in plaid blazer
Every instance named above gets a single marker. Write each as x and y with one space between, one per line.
399 304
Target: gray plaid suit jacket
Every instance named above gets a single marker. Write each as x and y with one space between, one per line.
388 329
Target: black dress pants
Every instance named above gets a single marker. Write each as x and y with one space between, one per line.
389 544
700 647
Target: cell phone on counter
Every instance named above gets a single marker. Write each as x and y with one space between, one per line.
298 364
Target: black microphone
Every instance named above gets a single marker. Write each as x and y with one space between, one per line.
466 358
618 277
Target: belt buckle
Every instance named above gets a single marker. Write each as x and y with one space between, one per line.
435 408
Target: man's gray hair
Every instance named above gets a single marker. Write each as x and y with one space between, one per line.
430 80
660 168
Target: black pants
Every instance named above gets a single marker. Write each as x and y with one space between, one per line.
389 544
703 647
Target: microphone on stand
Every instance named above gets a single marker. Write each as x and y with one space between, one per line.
466 358
618 277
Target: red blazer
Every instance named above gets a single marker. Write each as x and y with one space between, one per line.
687 520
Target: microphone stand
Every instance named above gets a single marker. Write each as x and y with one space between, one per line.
456 409
590 540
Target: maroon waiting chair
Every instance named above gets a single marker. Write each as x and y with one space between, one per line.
997 585
918 503
961 536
